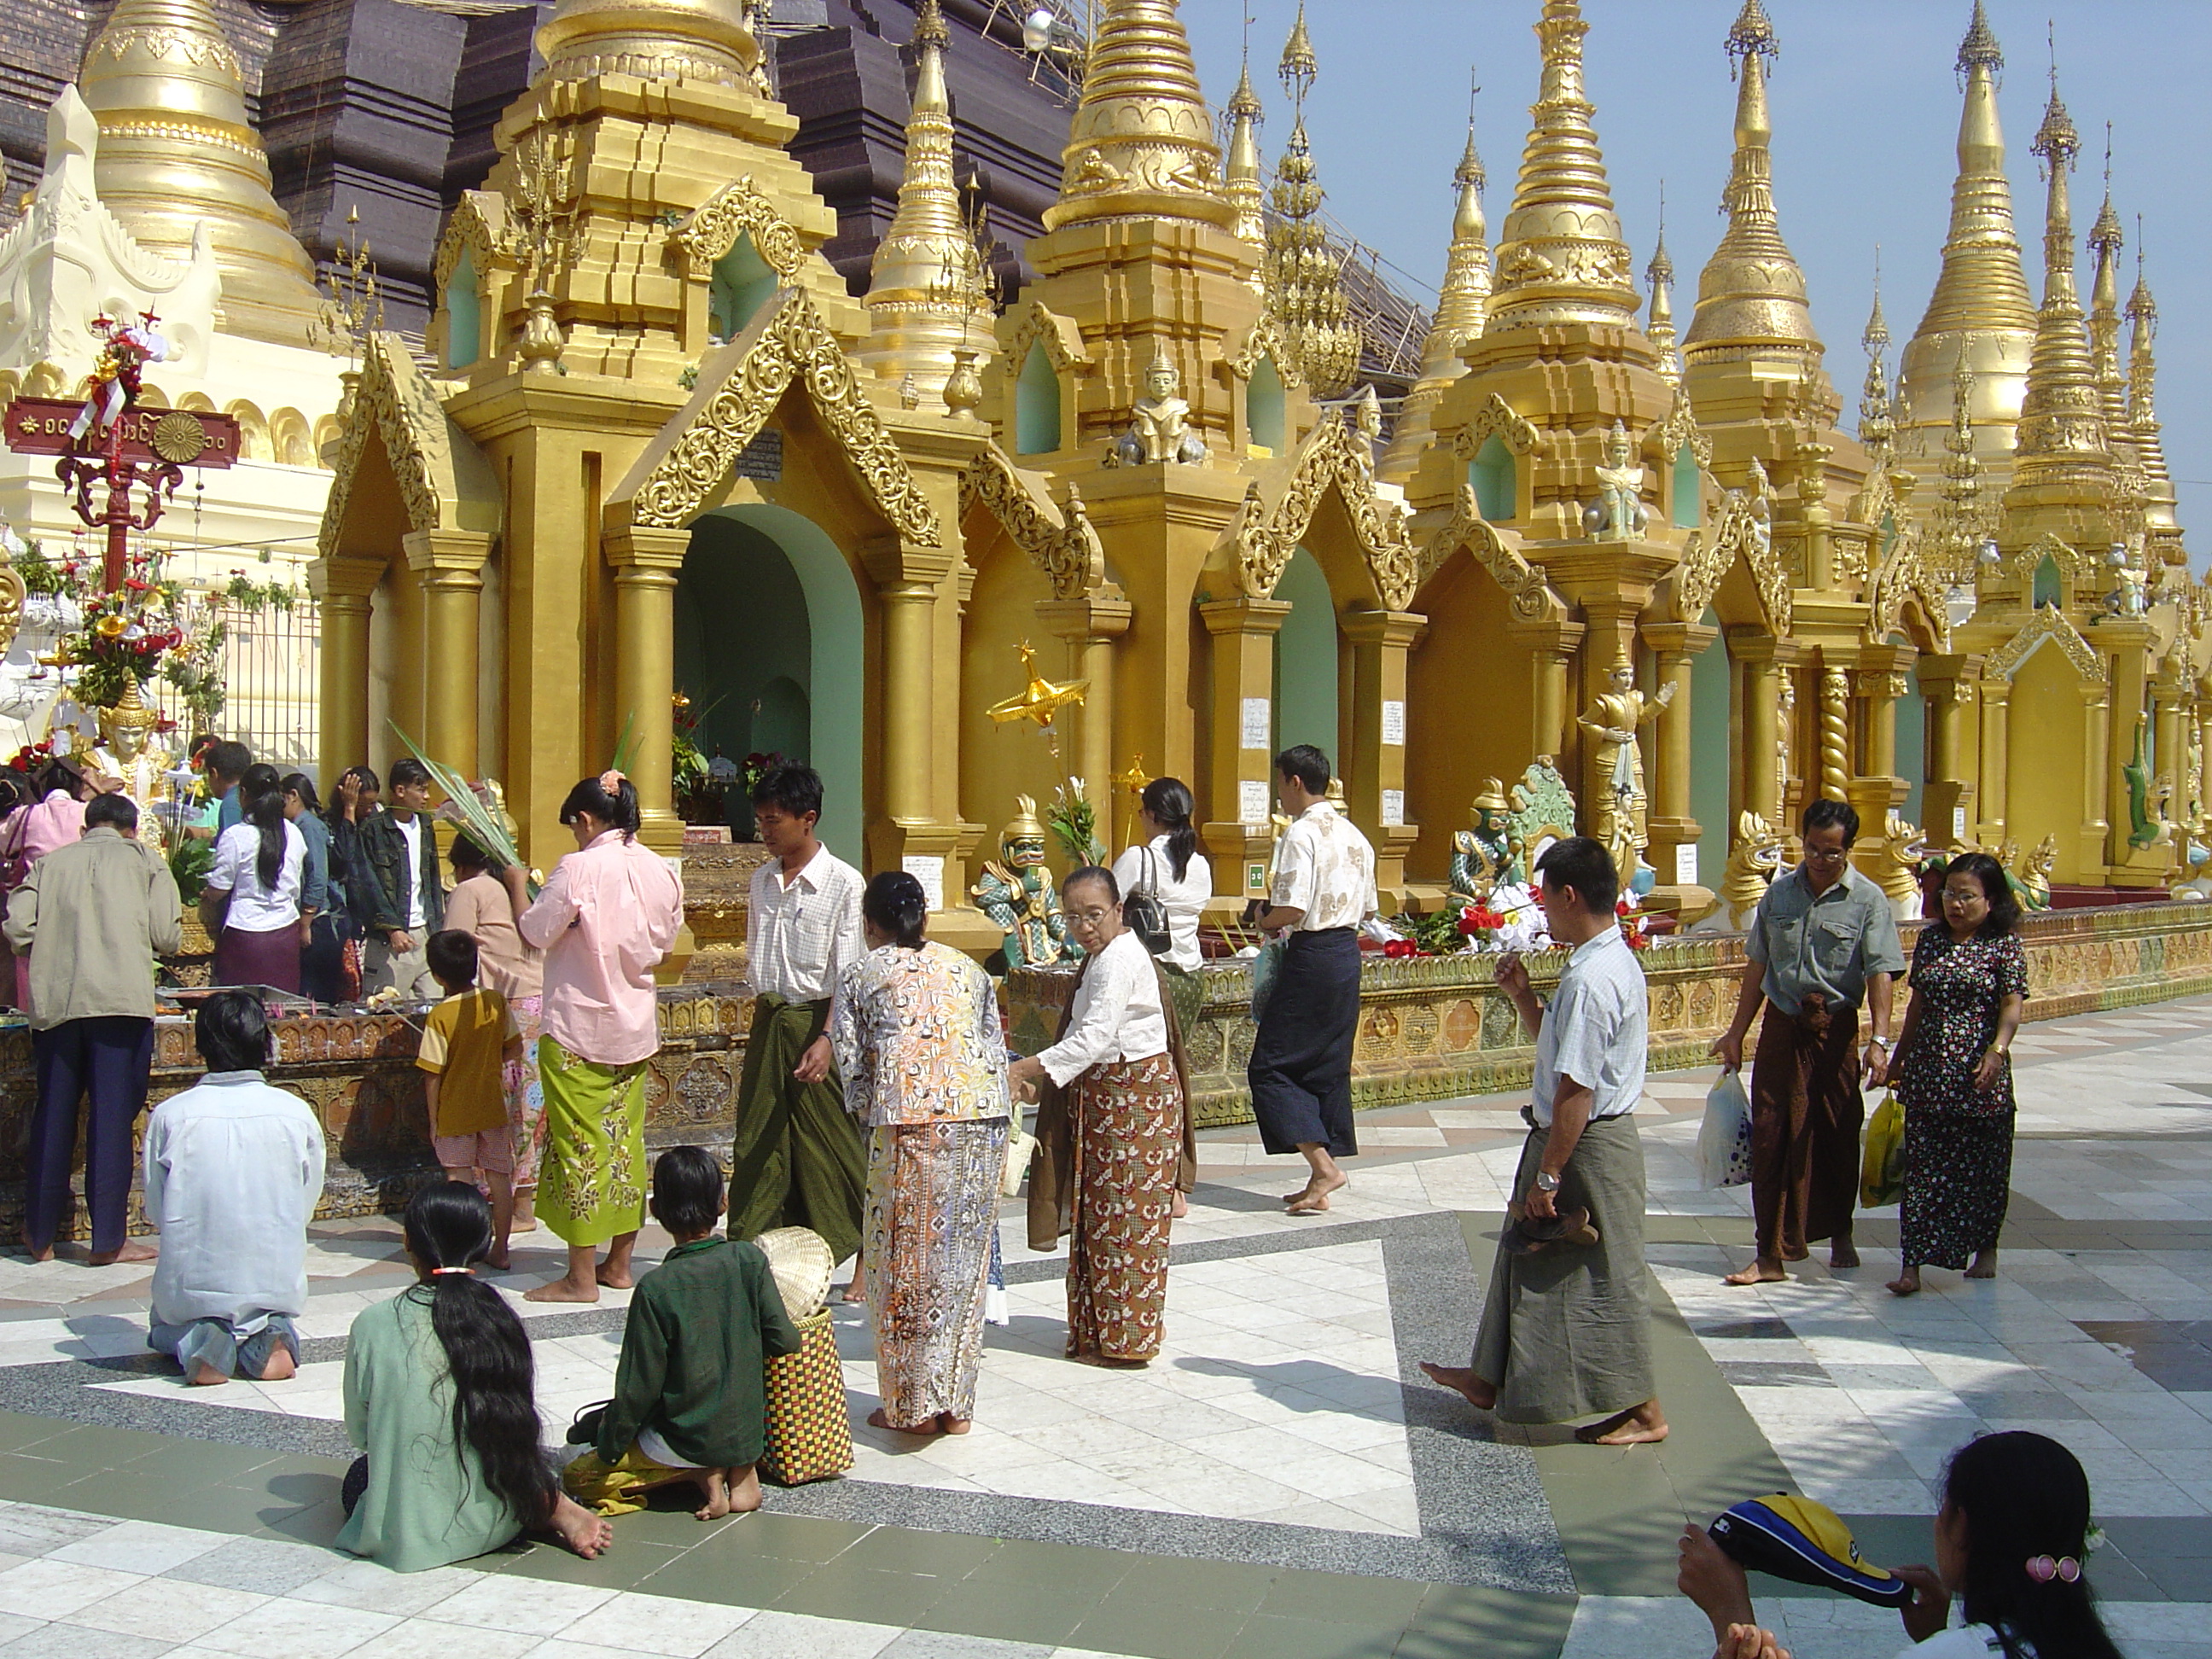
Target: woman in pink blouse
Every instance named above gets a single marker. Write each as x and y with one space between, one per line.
605 919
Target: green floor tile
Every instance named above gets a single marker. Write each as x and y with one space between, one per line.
1267 1637
1058 1567
1457 1622
120 1492
1343 1598
27 1479
20 1430
796 1537
200 1462
727 1579
229 1509
1153 1629
627 1564
93 1446
318 1523
935 1554
1008 1613
837 1591
1224 1586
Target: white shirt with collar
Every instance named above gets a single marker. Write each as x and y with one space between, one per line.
803 933
1151 868
1324 866
411 834
1116 1015
1595 1030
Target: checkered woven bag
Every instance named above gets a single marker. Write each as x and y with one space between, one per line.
809 1435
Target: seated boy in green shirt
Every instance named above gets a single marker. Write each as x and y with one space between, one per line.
690 1391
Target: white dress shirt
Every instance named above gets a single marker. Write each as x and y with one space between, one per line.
1595 1030
1151 868
802 934
234 1169
411 831
237 871
1324 866
1117 1014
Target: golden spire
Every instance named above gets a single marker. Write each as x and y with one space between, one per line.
1460 307
1877 419
928 294
1960 520
1659 319
655 40
2143 404
1241 173
1560 255
1981 300
177 153
1750 294
2063 413
1141 144
2107 241
1302 290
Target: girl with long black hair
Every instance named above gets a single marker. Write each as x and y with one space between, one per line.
1169 865
440 1394
2011 1543
255 893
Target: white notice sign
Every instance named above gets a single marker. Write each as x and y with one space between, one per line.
1685 864
1393 802
1393 721
1257 727
1958 824
1251 802
930 872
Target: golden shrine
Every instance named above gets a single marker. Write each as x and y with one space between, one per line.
660 449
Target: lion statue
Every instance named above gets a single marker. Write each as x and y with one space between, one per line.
2031 879
1752 859
1903 847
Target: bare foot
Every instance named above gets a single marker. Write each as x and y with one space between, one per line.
1842 1254
38 1252
563 1290
948 1424
745 1489
615 1278
1761 1272
204 1375
1985 1265
580 1529
716 1486
1314 1198
856 1291
500 1261
279 1365
1478 1392
1638 1425
132 1251
1906 1282
878 1420
1179 1206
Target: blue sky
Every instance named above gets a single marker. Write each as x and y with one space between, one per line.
1866 114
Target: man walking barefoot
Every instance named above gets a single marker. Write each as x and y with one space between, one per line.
1566 1328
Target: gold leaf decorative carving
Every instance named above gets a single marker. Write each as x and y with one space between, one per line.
712 229
1337 455
1494 417
1531 597
442 485
2047 624
1065 546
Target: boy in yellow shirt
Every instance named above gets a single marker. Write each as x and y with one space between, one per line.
468 1041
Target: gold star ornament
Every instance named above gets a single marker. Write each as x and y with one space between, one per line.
1043 700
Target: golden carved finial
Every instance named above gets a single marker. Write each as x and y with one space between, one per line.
1241 172
1041 699
177 156
2142 407
928 292
2062 411
2107 239
1961 521
1561 258
1299 65
1141 143
1303 269
709 40
1980 299
1877 419
1659 319
1750 294
1462 308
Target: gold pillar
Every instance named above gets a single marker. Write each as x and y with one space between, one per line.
1761 660
1551 647
2170 756
1240 789
343 586
1090 625
1947 683
909 699
2097 770
451 566
1994 793
2202 714
1374 765
1834 726
2126 642
647 562
1676 645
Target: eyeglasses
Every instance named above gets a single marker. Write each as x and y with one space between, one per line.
1965 896
1092 917
1818 855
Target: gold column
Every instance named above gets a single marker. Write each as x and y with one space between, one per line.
2202 714
1994 791
1551 647
2126 640
2172 756
1947 683
908 617
647 562
1761 660
342 587
2098 774
1374 766
1237 836
1835 730
1090 626
451 566
1675 645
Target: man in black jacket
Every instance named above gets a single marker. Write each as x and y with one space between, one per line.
400 849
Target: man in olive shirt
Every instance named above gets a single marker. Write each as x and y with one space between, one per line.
1824 940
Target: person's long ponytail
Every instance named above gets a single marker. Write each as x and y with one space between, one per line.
1169 800
449 1227
261 798
2025 1501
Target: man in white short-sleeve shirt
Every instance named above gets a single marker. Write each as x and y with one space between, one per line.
1566 1326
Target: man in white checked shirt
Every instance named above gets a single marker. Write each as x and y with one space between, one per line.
798 1159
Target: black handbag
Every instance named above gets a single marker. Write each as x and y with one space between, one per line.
1144 913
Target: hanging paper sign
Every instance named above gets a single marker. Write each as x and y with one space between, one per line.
1257 724
1251 802
1393 807
1685 864
1393 721
930 872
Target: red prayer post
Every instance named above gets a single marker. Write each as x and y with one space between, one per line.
142 450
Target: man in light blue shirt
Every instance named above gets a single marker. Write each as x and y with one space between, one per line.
1566 1328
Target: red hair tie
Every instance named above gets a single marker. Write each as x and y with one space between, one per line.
2043 1569
611 780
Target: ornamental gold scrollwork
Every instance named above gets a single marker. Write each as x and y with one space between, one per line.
198 48
1337 454
738 209
396 403
1680 427
787 342
1265 339
1529 595
1744 531
1494 417
1064 546
479 228
2047 624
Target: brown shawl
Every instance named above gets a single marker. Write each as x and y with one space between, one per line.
1052 1166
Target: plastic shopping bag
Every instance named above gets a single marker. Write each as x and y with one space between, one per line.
1724 1138
1881 1161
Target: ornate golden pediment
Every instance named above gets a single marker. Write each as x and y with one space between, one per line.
1064 545
1744 531
1273 521
1264 338
1665 440
2050 624
1531 596
445 482
739 386
1062 340
710 230
1494 417
480 225
2077 565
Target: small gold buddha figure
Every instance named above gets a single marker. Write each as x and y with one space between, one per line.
1159 425
130 756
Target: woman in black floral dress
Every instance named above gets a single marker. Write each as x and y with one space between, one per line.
1954 1073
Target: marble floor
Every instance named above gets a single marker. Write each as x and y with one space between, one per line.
1282 1481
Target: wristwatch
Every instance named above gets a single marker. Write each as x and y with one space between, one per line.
1547 1182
